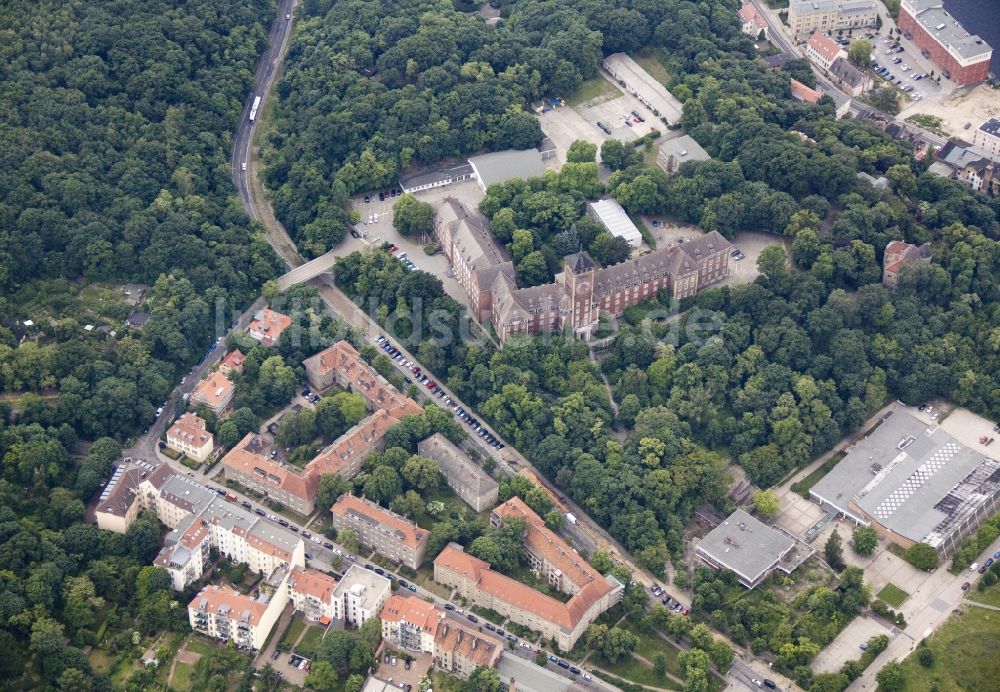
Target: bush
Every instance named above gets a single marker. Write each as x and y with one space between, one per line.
922 556
926 657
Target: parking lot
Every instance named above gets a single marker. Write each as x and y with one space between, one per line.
567 124
911 63
847 644
397 673
382 230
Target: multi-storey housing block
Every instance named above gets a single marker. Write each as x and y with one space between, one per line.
469 480
386 532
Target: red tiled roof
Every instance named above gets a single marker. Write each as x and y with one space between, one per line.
749 13
190 428
825 46
357 442
407 532
213 390
312 583
363 379
247 457
268 326
804 93
541 540
233 360
412 610
217 597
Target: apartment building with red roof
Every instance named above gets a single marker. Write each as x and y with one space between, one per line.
549 557
415 625
823 50
311 592
233 362
226 614
267 326
189 436
341 364
386 532
214 393
249 464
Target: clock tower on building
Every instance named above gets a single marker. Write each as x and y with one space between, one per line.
578 283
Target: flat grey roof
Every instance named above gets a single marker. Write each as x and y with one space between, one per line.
501 166
745 545
901 476
531 678
357 575
946 29
434 175
684 148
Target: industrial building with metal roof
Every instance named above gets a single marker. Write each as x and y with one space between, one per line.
612 216
913 483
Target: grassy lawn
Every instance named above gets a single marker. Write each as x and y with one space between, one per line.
636 671
990 597
893 595
964 654
307 645
803 486
198 645
591 90
445 682
295 628
100 660
649 62
651 644
182 676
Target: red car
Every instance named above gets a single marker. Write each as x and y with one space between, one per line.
431 384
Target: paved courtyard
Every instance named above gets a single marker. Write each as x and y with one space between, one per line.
847 644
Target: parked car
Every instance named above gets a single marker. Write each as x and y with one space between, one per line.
966 586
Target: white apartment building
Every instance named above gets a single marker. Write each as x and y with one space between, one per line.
189 436
360 595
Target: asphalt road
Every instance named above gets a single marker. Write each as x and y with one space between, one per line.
243 165
777 36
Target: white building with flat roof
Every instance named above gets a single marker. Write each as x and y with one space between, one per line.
613 217
360 595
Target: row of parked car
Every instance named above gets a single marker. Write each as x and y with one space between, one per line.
667 601
436 390
478 427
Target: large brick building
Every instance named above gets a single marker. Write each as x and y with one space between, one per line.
490 283
962 57
586 291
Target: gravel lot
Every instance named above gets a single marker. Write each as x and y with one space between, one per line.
965 106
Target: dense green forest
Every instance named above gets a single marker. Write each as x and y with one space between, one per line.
115 122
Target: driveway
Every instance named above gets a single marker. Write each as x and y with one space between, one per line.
847 644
